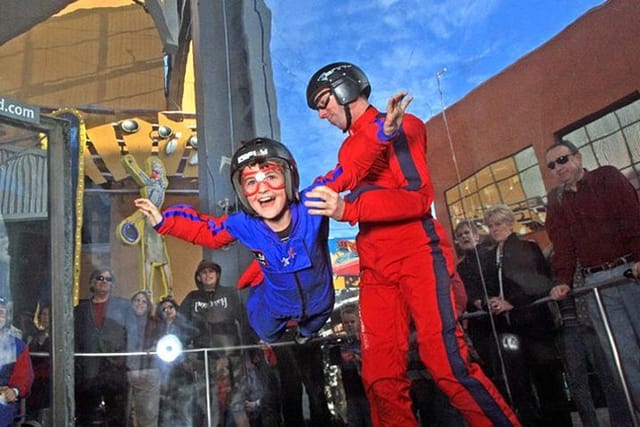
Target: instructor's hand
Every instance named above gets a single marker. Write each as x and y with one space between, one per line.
396 108
149 210
329 204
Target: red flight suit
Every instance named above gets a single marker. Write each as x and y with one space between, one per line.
406 265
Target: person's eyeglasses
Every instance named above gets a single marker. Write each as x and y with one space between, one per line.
167 308
103 279
560 160
323 101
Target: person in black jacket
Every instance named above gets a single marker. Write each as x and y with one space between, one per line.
473 257
214 311
521 275
101 382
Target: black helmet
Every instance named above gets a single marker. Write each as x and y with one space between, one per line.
346 81
259 150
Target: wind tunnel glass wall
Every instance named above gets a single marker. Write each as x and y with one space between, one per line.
188 364
24 252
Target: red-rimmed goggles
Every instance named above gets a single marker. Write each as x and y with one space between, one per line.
272 175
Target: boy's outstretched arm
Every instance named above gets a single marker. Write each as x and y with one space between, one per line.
186 223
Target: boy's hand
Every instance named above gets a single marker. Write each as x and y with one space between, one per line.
327 203
396 108
149 210
9 394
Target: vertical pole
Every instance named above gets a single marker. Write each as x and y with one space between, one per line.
61 264
616 355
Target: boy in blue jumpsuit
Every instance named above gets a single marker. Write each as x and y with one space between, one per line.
290 245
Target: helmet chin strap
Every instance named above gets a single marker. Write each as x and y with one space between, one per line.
347 113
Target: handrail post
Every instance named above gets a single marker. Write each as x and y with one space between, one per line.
616 355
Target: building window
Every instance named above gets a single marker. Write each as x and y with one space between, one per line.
515 181
612 139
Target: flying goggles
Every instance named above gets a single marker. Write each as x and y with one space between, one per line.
272 175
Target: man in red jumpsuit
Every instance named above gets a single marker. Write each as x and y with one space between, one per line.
406 265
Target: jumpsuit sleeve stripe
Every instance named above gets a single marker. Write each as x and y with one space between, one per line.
190 215
407 164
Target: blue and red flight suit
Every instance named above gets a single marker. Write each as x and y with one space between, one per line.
297 271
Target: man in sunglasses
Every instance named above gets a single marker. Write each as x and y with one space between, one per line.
101 382
593 221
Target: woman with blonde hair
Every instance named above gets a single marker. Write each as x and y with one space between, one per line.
521 276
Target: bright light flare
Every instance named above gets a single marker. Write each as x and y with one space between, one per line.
169 348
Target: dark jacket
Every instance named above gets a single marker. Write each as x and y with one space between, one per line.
526 277
213 315
469 273
111 338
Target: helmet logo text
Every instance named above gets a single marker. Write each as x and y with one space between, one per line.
254 153
327 74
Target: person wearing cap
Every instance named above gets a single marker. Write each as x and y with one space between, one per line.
214 311
16 372
593 219
406 262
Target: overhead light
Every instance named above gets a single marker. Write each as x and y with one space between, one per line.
171 147
165 132
193 141
129 126
193 160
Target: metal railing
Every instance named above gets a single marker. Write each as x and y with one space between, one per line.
580 293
